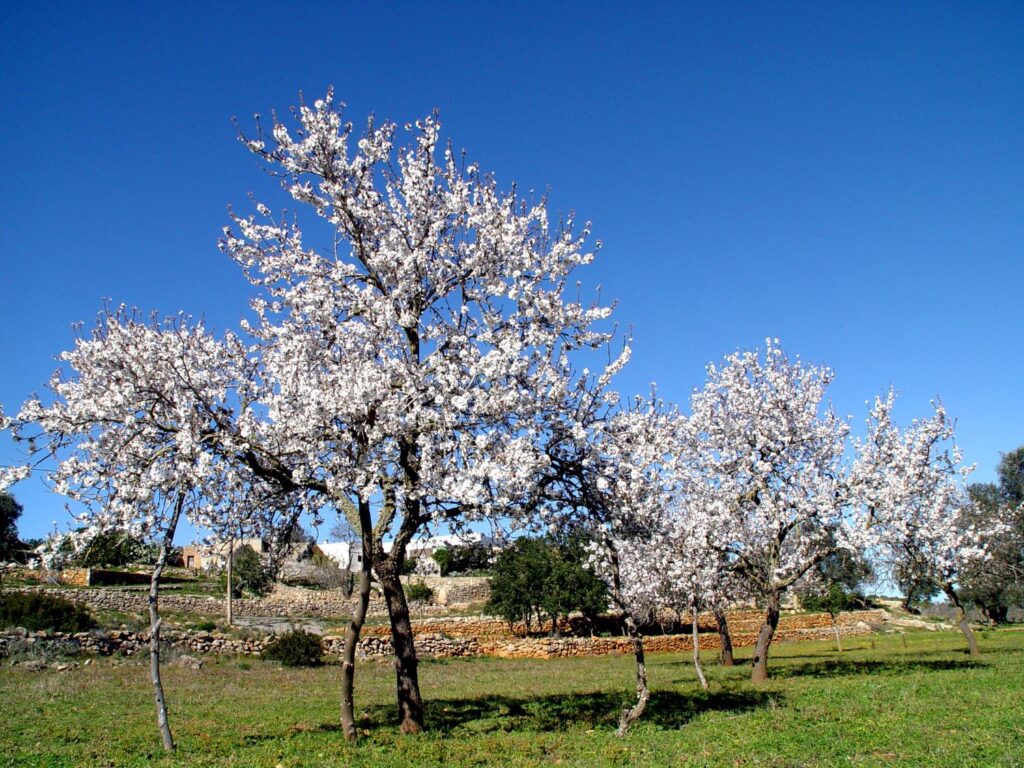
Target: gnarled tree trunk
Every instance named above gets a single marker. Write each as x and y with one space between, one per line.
759 672
643 693
154 627
724 638
355 628
410 703
961 620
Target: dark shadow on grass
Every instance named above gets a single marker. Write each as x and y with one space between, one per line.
841 667
597 709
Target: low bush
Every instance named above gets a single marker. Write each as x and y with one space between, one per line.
295 649
418 592
36 611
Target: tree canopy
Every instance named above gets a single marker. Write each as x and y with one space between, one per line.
10 511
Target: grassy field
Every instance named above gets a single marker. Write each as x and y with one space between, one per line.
888 700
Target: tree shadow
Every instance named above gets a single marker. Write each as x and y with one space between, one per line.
841 667
561 712
551 713
815 655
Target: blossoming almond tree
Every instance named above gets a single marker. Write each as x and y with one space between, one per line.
695 572
131 429
400 366
419 345
769 457
920 522
610 475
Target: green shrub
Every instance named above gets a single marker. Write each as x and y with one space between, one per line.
36 611
248 573
443 558
418 592
206 626
464 559
295 649
544 580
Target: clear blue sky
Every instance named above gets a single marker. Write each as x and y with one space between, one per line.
847 177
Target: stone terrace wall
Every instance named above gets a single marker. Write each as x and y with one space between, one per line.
74 577
742 625
282 601
429 644
455 590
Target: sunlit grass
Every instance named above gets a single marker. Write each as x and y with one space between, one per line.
913 700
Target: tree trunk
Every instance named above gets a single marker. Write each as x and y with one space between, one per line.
961 620
410 703
348 665
759 673
231 558
154 627
632 714
724 639
696 650
835 628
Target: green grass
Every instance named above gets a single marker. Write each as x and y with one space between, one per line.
914 700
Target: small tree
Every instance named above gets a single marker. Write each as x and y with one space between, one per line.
113 548
129 434
443 557
249 573
611 476
538 578
10 511
914 587
922 520
768 455
572 585
465 558
997 584
833 586
518 581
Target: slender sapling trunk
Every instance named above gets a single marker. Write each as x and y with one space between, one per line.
154 627
230 596
696 650
835 628
961 620
348 665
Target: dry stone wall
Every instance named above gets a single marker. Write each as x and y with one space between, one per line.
428 644
285 601
73 577
436 643
455 590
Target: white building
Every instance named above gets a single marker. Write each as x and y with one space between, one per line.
349 554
